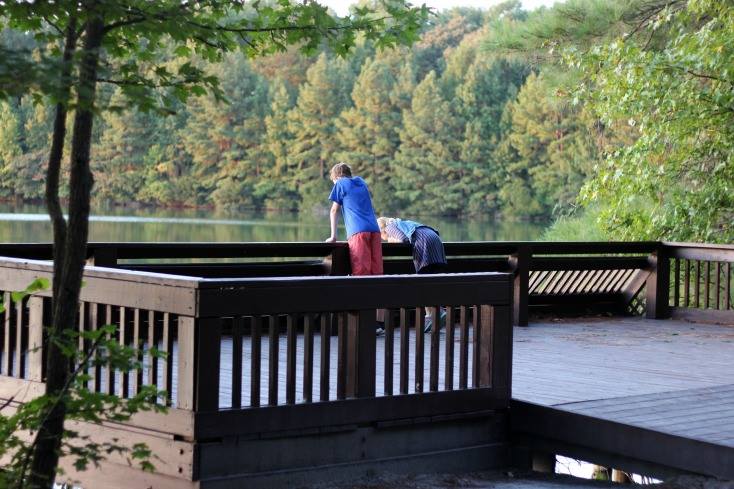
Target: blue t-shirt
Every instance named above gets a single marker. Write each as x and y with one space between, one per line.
354 197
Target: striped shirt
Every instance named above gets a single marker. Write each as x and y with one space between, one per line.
427 245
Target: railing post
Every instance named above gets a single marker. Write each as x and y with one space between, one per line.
198 363
103 257
206 369
501 351
520 264
337 263
658 284
361 356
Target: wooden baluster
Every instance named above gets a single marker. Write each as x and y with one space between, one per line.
108 378
341 357
727 287
420 319
697 286
7 368
82 322
137 375
706 287
484 334
152 343
35 338
290 375
273 343
325 357
676 283
238 327
389 351
404 350
255 359
123 339
168 339
96 368
435 345
308 358
463 348
717 286
19 317
687 284
449 367
476 330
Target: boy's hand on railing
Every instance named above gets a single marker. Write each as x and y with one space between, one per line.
330 239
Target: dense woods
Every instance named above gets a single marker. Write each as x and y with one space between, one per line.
441 127
614 117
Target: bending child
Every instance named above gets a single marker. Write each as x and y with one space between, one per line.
428 253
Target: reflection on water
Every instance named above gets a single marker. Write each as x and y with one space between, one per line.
29 223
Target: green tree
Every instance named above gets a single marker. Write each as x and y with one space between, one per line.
118 161
227 141
276 189
675 180
488 85
10 148
312 123
548 152
428 173
369 132
120 42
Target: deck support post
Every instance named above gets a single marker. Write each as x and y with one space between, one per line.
658 285
620 476
544 462
520 265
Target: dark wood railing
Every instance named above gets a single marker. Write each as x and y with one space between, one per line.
274 355
700 281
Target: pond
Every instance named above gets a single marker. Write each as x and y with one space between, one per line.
30 224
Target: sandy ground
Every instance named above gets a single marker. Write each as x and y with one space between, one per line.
510 480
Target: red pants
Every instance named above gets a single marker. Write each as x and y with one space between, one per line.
365 253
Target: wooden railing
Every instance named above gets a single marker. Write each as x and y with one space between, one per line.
699 281
274 355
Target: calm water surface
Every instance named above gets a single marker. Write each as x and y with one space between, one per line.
29 223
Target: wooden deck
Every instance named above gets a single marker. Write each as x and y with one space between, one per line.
659 392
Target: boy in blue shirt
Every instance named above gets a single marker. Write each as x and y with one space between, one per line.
352 196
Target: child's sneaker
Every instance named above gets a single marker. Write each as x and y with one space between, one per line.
379 328
428 324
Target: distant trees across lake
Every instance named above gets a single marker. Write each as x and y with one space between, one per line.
615 117
443 128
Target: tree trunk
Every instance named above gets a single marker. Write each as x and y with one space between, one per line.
46 450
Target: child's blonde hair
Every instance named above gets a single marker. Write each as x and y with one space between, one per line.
339 170
383 222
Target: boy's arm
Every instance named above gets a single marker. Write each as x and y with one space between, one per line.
333 216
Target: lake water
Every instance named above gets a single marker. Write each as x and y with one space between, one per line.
30 224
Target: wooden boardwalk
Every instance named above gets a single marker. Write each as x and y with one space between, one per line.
661 392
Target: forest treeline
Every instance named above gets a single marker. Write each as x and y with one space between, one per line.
615 118
446 127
